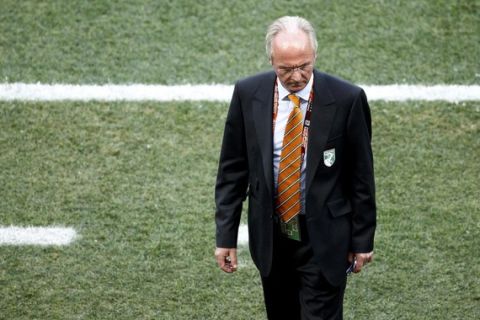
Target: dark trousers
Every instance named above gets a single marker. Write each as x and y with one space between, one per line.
296 288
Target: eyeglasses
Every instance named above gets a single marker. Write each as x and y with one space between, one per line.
288 71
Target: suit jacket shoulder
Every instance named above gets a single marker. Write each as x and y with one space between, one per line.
249 85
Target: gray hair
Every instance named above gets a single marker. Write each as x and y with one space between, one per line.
288 23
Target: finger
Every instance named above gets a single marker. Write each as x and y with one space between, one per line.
358 267
220 258
223 264
233 260
361 262
226 264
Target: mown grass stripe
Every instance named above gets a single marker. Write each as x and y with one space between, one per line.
214 92
41 236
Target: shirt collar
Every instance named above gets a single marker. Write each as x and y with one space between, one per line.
304 94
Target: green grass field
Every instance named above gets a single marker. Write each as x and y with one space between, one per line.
136 179
185 41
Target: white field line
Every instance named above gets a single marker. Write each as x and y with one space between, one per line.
242 239
215 92
41 236
132 92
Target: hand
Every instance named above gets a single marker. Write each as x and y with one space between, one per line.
362 260
226 259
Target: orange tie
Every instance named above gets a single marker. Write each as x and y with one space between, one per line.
288 190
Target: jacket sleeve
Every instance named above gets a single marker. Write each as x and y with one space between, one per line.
232 176
359 133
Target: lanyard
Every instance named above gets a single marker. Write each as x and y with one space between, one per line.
306 122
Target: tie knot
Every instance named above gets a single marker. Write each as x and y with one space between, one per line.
294 99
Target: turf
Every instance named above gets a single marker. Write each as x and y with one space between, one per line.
136 180
185 41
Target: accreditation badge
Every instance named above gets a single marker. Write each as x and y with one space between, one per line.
329 157
291 229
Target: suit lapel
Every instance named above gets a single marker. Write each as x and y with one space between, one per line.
262 105
323 111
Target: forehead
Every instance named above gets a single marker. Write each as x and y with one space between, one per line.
292 47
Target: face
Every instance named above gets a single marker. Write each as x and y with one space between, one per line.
293 59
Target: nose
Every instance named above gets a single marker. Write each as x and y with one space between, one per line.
296 75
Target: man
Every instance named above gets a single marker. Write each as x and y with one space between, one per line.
297 143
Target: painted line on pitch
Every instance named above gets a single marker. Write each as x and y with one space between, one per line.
242 239
39 236
214 92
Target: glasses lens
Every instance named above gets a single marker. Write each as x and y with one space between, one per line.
289 71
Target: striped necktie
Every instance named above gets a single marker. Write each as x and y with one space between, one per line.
288 190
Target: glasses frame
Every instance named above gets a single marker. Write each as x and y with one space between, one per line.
289 71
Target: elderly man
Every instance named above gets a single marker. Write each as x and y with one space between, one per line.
297 142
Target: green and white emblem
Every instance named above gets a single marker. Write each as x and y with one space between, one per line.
329 157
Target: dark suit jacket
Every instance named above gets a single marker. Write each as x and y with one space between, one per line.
339 200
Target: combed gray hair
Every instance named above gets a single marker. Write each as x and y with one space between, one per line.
289 23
